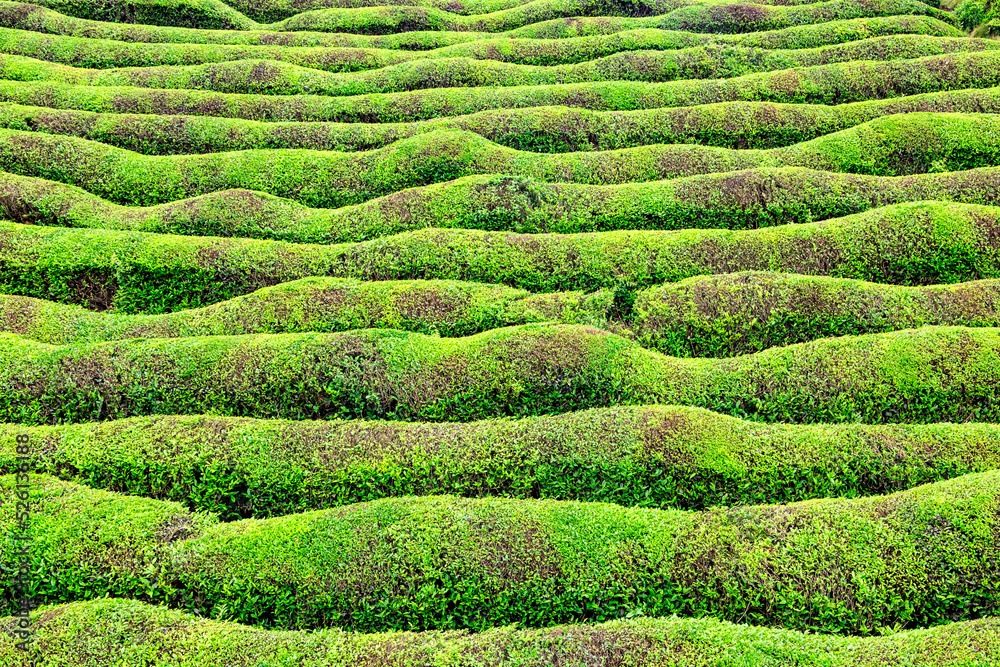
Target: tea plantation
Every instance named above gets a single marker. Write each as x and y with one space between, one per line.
521 333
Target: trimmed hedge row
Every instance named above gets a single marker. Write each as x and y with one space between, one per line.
214 14
839 83
275 10
545 129
535 18
649 456
915 375
185 13
27 16
104 53
144 635
330 71
521 205
916 558
702 316
283 78
445 307
911 244
724 17
744 313
485 45
897 145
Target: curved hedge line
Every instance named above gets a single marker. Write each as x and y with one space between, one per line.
897 145
446 307
702 316
910 244
274 10
742 313
390 73
145 635
677 14
501 203
185 13
927 374
840 83
284 78
535 18
919 557
852 40
216 14
544 129
22 17
650 456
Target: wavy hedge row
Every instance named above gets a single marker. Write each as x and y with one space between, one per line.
915 558
514 204
714 17
897 145
283 78
144 635
743 313
273 10
915 375
216 14
651 456
445 307
185 13
839 83
910 244
545 129
702 316
532 61
21 17
677 14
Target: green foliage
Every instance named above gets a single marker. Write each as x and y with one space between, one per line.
277 70
971 13
84 633
893 146
900 37
544 129
512 204
916 375
649 456
503 46
445 562
837 83
295 265
701 316
536 19
133 272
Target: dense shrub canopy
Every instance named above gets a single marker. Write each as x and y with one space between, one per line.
454 333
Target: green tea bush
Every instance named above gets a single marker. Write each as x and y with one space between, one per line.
971 13
558 129
894 146
915 375
704 17
874 39
144 635
919 557
909 244
23 16
702 316
839 83
514 204
649 456
535 19
256 76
